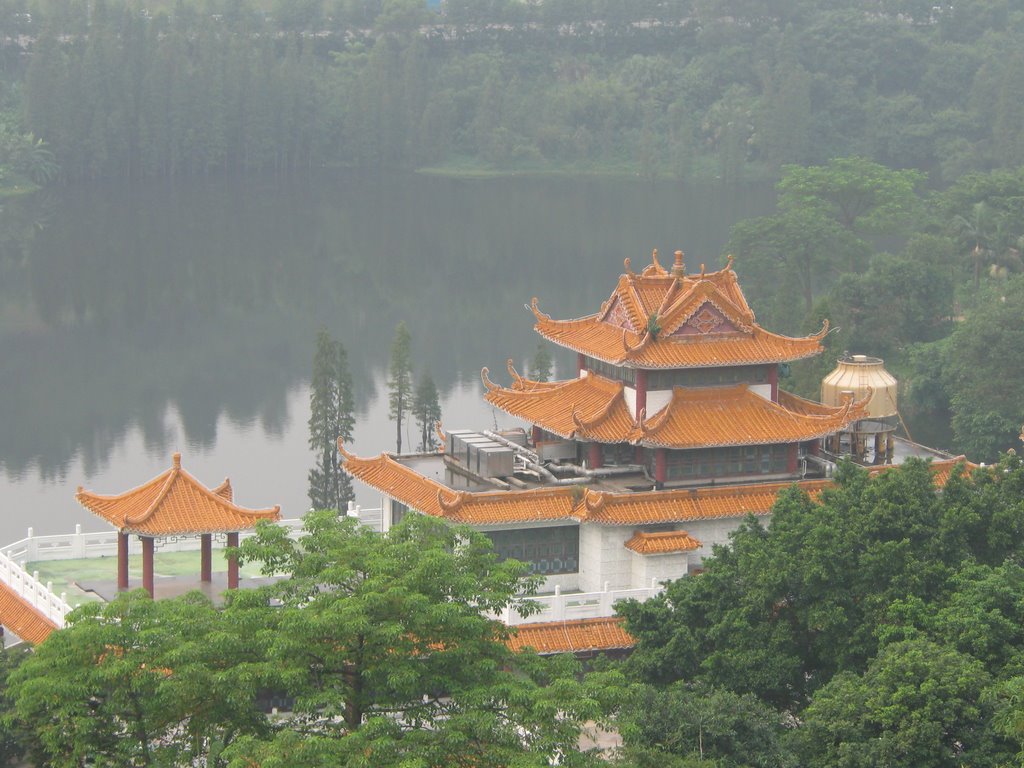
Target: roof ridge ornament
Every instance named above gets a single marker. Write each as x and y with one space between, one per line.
536 310
626 265
519 380
491 386
644 341
654 261
441 437
679 267
450 506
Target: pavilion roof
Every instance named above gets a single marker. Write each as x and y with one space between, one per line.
579 636
594 408
21 618
175 503
661 319
662 542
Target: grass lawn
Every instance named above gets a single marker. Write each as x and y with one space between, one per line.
64 573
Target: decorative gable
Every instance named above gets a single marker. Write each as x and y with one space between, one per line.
707 319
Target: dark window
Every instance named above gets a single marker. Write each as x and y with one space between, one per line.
726 462
398 511
707 377
547 550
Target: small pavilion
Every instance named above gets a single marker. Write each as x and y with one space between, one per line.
174 504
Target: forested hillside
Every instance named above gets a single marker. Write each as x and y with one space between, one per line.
716 88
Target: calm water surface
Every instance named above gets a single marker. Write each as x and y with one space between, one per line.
135 322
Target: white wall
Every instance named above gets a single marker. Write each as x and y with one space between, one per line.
666 567
711 532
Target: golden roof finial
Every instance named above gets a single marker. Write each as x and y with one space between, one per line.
679 268
176 460
654 259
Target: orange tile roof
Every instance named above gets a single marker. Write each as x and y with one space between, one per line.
590 407
662 542
707 417
579 636
677 505
593 408
174 503
703 320
21 618
430 497
684 504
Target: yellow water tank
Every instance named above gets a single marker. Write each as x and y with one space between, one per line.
855 375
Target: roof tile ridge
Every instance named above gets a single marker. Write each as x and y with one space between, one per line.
703 292
228 504
530 493
817 336
631 299
172 476
83 493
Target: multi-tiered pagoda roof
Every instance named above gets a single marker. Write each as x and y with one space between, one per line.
669 319
695 328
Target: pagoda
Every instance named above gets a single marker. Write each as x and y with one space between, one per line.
171 505
673 430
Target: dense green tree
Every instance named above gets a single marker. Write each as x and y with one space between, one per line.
382 643
983 358
918 704
702 724
400 394
139 682
331 419
426 410
863 196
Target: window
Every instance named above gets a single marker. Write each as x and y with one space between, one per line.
548 551
398 511
726 462
707 377
609 371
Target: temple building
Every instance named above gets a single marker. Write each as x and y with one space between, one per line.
673 430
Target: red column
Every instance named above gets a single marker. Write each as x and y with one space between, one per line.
147 564
233 562
535 434
641 392
206 557
660 472
773 379
791 460
581 363
122 561
594 459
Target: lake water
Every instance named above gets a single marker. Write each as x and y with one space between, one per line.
137 321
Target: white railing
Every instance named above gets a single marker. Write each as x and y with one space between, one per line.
28 587
78 545
579 605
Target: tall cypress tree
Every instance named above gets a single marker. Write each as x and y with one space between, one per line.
400 380
426 409
330 418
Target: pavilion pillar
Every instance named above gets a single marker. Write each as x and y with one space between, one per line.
594 459
535 434
122 561
581 363
773 379
206 557
233 561
660 469
641 391
791 458
147 564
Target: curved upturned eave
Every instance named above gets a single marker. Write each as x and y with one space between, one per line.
587 408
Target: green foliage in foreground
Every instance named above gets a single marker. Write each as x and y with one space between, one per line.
377 641
880 624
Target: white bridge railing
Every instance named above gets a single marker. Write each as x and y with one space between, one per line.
28 587
579 605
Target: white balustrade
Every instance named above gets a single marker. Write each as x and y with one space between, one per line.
578 605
